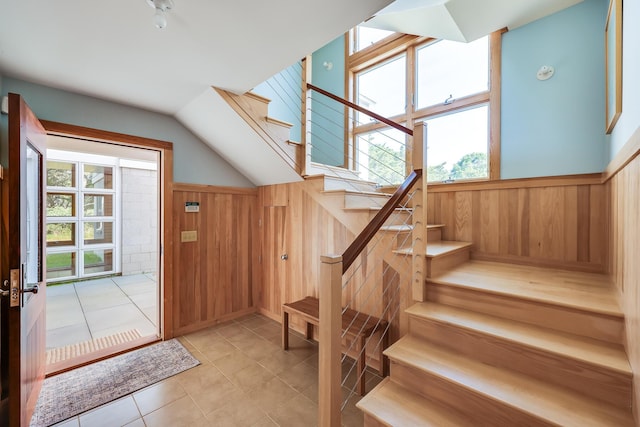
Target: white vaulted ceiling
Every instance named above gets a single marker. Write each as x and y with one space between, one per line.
462 20
111 50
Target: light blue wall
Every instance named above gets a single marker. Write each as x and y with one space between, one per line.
193 161
629 121
327 126
555 127
285 92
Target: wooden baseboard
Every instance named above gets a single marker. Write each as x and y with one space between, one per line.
541 262
203 325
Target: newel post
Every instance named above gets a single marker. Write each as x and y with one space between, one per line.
419 261
329 391
305 131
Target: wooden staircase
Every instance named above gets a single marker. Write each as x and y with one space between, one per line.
499 344
354 196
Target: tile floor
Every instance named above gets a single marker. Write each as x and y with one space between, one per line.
245 379
81 311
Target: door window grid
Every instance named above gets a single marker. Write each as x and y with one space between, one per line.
81 239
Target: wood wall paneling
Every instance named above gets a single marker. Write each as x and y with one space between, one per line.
624 188
214 276
548 225
309 226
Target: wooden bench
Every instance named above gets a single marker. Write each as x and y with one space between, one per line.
358 327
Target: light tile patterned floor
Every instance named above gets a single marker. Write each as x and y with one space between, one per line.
245 379
81 311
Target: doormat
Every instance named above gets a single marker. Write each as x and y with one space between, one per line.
71 351
74 392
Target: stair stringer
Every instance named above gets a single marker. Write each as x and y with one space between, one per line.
251 108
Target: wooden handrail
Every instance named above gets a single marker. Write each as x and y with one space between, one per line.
356 107
365 236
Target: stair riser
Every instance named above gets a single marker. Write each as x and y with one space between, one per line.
591 380
484 410
404 239
396 218
258 104
434 234
370 421
579 322
334 183
363 200
442 263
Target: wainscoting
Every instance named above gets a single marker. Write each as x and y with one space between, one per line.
551 221
293 224
625 249
215 276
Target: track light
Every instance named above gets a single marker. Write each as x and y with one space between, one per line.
161 6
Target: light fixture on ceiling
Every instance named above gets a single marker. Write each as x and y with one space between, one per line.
161 6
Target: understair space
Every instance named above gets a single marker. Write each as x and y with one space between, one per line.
505 344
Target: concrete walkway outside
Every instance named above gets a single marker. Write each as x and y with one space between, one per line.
81 311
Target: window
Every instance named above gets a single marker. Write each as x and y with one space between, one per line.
449 87
381 156
365 37
80 219
382 89
457 145
451 69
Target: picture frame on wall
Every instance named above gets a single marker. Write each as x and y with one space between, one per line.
613 64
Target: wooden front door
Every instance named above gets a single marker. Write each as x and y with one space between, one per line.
23 261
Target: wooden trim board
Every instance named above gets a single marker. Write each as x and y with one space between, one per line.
627 153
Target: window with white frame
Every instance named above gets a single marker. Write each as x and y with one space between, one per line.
81 218
443 83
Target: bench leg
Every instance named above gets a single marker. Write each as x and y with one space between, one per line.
285 330
309 331
384 360
362 365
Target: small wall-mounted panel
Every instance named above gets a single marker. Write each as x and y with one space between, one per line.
188 236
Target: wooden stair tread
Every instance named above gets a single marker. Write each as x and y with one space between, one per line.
594 352
377 208
339 178
394 405
358 193
548 402
438 248
278 122
397 228
583 291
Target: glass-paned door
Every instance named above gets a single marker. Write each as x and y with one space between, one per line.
81 216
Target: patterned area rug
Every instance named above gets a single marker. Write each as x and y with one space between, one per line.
79 390
67 352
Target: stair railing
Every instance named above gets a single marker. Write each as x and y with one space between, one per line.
334 266
319 128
